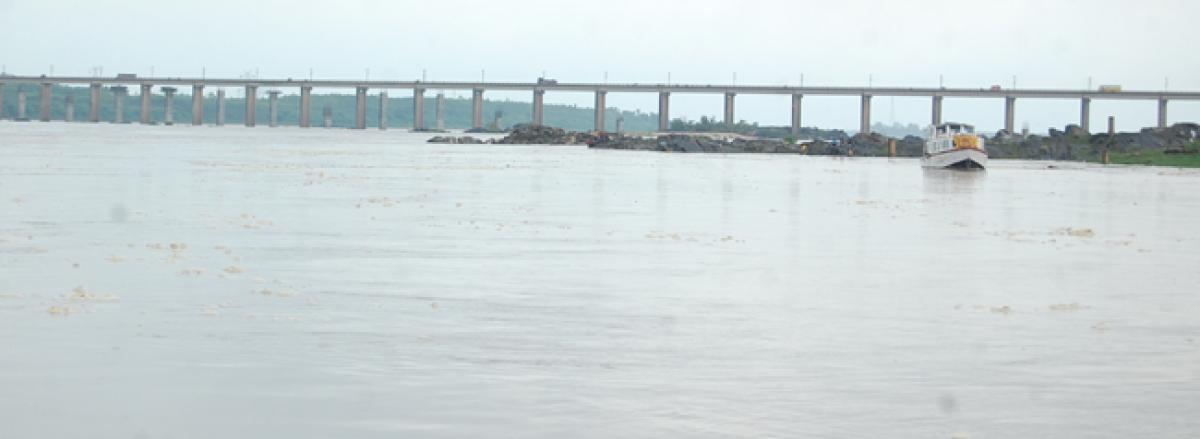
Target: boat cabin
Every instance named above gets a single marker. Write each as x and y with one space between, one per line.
952 128
952 136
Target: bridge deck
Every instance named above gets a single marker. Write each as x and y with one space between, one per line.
625 88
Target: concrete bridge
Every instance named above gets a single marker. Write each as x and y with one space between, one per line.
118 86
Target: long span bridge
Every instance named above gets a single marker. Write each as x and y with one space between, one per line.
119 87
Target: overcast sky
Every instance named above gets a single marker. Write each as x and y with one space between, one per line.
1045 43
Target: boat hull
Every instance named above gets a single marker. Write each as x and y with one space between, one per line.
957 159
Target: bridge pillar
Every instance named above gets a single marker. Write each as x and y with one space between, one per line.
1010 114
664 111
197 104
1085 114
440 112
94 103
937 110
147 90
1 101
47 89
21 105
797 108
70 110
305 106
477 108
273 108
598 124
251 102
864 122
539 107
729 116
327 116
144 115
383 111
360 108
1162 112
119 94
418 109
168 100
220 107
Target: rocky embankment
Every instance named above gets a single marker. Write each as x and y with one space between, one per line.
862 144
859 145
526 135
543 135
1073 143
468 140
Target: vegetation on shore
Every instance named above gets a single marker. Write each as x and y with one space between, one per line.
1176 145
1188 157
400 109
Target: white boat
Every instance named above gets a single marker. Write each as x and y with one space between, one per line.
954 145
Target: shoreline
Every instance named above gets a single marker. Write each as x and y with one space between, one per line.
1176 146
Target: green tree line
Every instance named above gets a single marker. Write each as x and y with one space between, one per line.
399 109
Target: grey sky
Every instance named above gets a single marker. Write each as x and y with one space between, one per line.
1048 43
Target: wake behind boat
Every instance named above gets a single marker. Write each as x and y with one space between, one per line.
955 145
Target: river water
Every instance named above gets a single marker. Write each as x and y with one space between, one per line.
195 282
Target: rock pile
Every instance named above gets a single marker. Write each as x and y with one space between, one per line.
468 140
1073 143
697 144
544 135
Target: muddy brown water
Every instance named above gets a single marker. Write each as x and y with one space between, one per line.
196 282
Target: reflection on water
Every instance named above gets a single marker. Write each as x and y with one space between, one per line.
953 181
194 283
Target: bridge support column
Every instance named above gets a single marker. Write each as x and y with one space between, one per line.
44 111
360 108
937 110
119 94
69 115
327 116
797 112
477 108
305 106
864 122
144 115
383 111
273 108
1085 114
168 101
251 102
439 111
539 107
599 113
729 116
418 109
197 104
1 101
220 107
94 103
664 112
21 105
1162 113
1010 114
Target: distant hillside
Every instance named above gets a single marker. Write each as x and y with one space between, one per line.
400 110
